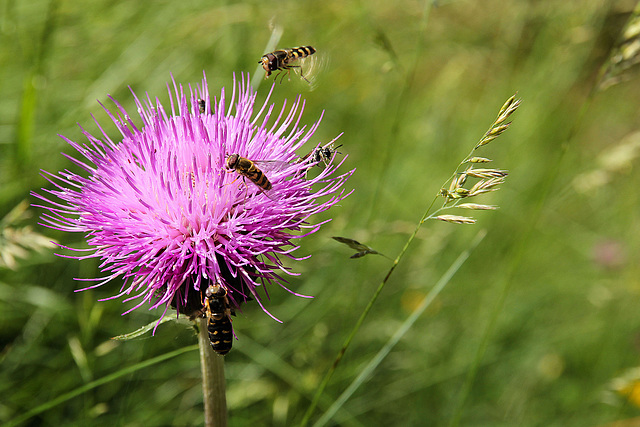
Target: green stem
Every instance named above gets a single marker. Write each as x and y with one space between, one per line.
213 381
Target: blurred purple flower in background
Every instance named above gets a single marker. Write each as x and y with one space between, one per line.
164 213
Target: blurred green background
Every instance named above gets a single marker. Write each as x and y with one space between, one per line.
413 85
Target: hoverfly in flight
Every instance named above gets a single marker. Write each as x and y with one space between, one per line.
218 311
282 59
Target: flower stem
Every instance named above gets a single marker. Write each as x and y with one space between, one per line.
213 381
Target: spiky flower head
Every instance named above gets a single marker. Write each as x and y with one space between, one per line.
167 216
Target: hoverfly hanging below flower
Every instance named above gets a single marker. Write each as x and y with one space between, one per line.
248 169
218 311
282 59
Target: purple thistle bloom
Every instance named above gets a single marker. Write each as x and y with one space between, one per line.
162 210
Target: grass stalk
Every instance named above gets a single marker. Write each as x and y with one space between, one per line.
93 384
455 193
402 330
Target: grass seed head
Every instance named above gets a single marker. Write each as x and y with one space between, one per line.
478 160
456 219
477 207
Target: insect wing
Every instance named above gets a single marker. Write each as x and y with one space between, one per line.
271 166
311 67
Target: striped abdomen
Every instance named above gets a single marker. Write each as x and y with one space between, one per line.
220 334
299 52
256 176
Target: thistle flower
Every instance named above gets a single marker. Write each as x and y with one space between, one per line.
166 215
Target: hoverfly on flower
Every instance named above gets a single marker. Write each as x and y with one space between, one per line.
248 169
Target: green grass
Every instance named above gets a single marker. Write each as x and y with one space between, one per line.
412 87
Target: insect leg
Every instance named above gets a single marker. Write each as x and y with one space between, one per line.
237 177
283 73
303 77
246 190
291 67
275 76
